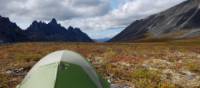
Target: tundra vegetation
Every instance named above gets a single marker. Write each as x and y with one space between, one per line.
134 65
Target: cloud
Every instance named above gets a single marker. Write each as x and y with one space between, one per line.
48 9
138 9
90 15
125 14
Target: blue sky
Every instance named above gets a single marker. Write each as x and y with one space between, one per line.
114 3
98 18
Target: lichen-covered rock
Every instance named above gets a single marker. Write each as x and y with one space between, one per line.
185 79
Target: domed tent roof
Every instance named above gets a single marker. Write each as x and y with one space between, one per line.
63 69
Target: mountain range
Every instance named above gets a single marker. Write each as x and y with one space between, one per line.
40 31
179 22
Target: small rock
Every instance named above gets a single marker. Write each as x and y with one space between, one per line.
16 72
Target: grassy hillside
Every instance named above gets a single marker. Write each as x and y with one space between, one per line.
139 65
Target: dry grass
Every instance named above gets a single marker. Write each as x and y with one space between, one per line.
122 63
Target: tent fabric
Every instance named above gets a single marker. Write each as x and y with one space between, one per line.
63 69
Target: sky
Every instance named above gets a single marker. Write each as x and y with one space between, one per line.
98 18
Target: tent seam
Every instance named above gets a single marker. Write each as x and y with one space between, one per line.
55 81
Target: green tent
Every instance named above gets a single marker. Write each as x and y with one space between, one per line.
63 69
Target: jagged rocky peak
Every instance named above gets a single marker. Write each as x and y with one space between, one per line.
74 29
55 32
77 29
9 31
70 28
40 31
53 21
35 22
5 19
